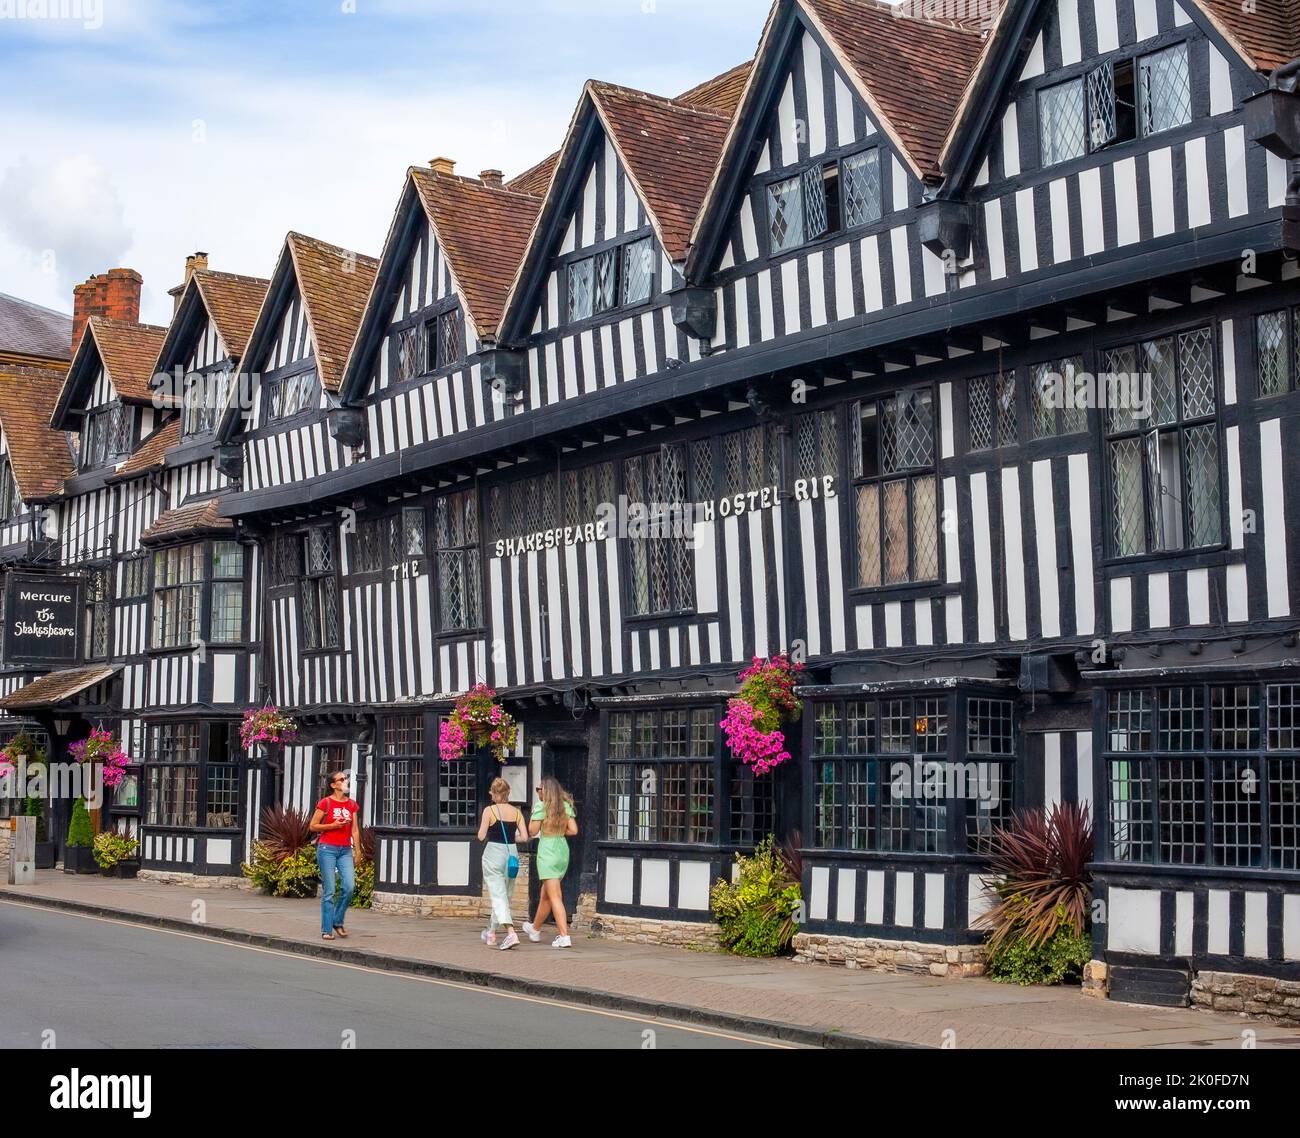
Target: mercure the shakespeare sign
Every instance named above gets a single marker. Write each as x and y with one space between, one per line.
41 618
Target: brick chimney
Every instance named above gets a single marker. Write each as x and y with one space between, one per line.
193 261
115 294
491 178
443 166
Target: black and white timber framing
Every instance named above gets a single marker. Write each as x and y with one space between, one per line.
1073 607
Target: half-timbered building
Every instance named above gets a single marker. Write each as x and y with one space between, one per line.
956 358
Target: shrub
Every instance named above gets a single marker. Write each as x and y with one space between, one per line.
1062 958
111 849
1040 876
365 890
284 859
758 912
292 876
80 830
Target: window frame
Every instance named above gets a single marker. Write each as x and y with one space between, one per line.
469 555
680 564
11 501
801 175
201 762
200 418
306 382
1290 315
321 582
1212 819
103 429
617 252
858 481
1180 425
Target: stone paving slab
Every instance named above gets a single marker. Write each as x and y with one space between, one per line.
899 1009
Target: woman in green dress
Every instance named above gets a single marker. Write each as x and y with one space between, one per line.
555 820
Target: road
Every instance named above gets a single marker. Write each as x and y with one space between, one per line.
106 984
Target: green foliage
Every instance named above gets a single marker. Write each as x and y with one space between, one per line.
111 849
80 830
757 913
1061 958
34 807
293 876
365 886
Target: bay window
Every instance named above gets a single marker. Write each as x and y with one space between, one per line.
1204 775
189 580
193 775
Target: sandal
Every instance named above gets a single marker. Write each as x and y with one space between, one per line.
339 930
327 936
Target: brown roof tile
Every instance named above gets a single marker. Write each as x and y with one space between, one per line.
150 454
335 285
483 231
1268 33
39 455
914 70
721 93
189 519
670 150
233 302
128 352
54 688
535 179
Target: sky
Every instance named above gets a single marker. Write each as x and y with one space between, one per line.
138 131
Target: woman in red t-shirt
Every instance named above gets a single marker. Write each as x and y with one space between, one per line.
337 822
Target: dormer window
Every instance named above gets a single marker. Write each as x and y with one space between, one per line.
619 277
289 395
105 436
1120 100
826 198
205 399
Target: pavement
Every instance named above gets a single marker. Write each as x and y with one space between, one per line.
806 1004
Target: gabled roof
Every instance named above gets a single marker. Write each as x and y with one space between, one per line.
1265 38
151 453
127 352
668 149
189 520
909 71
28 329
1266 32
535 179
233 302
482 229
38 455
721 93
334 284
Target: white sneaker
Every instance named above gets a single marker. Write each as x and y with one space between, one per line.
531 932
561 942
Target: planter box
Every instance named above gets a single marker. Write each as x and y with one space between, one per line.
80 859
44 855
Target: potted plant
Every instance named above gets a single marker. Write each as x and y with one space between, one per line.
266 725
79 856
115 854
284 858
754 717
480 720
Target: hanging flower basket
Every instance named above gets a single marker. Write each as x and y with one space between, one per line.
477 720
100 747
266 725
754 717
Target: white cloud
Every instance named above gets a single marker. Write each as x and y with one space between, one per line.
65 215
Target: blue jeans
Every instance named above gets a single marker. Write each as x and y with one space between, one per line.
332 860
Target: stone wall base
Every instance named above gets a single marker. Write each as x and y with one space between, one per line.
195 880
6 843
464 905
1096 979
1263 997
890 955
651 930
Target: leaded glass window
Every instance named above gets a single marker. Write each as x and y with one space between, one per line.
318 588
456 539
1164 90
661 531
581 295
785 215
1061 122
638 271
896 510
401 762
992 411
1277 350
1057 404
1164 456
860 186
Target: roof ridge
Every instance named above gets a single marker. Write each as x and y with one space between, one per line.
32 304
478 183
675 103
214 273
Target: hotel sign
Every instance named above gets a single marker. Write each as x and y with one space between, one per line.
41 618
